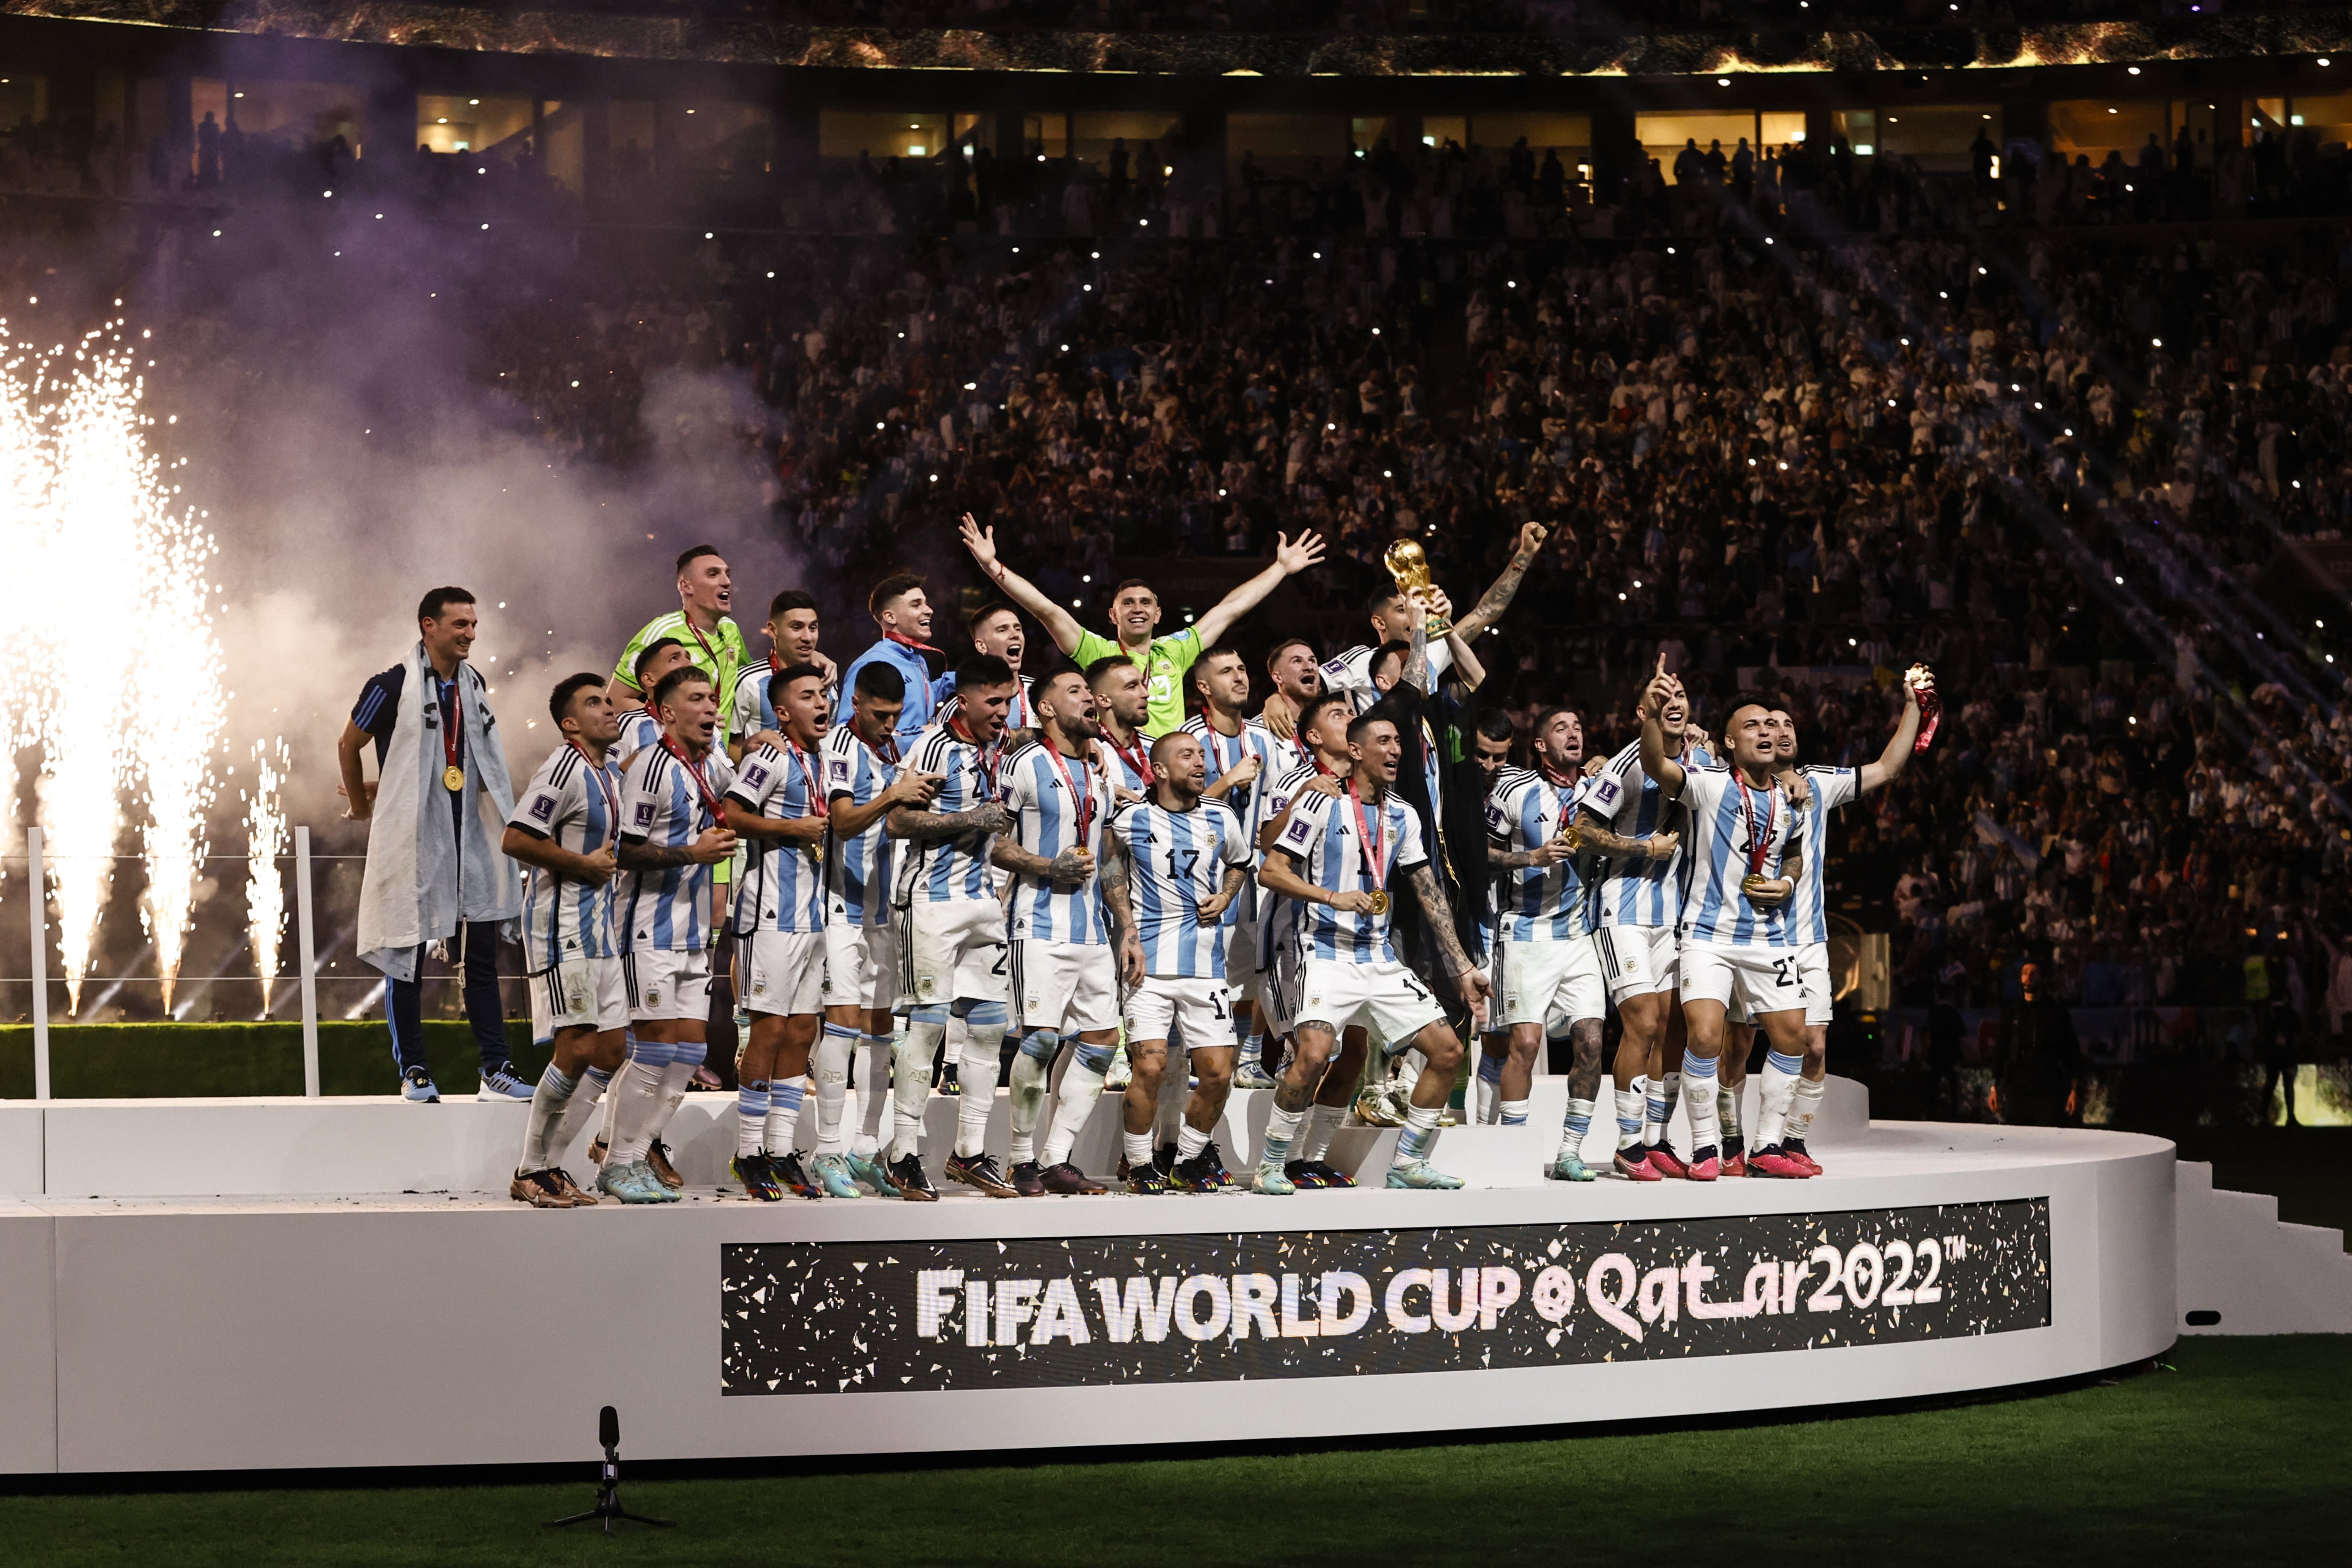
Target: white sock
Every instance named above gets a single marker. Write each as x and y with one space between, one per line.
1490 1088
1515 1113
1137 1146
1654 1110
640 1099
1669 1095
1032 1075
1706 1135
1082 1085
874 1095
832 1074
753 1098
911 1069
585 1101
1190 1142
1419 1138
1807 1101
785 1096
1281 1127
1773 1097
548 1101
1575 1127
1322 1120
1633 1104
675 1079
1727 1112
976 1078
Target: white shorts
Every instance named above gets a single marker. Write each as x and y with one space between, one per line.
1278 990
1639 960
667 985
1244 961
1389 999
861 967
1544 980
1761 979
781 973
577 993
1820 991
952 950
1164 1007
1070 988
1496 1023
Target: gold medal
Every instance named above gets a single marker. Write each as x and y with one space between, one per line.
453 778
1752 881
1380 901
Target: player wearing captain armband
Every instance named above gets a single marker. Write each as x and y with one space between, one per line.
778 803
1065 972
1740 943
1791 1091
564 827
953 954
1173 866
1543 926
1345 858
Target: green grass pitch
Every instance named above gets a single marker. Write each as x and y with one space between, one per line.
2239 1455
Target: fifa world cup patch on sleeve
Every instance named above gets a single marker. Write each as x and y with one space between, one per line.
645 813
756 776
1299 832
1603 792
542 807
841 771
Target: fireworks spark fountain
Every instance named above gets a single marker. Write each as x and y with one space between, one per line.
113 614
265 835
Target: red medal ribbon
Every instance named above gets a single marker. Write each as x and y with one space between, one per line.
453 722
987 755
701 784
1084 804
808 775
1138 760
1757 844
1375 846
890 756
1931 709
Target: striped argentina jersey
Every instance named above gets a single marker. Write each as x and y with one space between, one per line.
577 805
1539 903
1019 715
1809 913
1723 814
1226 752
938 870
857 868
750 711
1058 803
1129 769
1325 834
784 888
1638 892
1277 917
638 731
1174 860
668 910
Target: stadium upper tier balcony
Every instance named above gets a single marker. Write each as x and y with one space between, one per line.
1385 38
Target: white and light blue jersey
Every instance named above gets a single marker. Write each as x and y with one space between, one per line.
749 710
1175 859
1130 769
1226 752
936 871
1728 822
1019 715
1538 903
857 867
576 805
638 731
1058 803
1643 891
1326 835
784 888
662 804
1807 908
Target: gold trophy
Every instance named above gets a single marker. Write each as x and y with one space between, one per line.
1410 566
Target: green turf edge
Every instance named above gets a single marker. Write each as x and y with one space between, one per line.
136 1061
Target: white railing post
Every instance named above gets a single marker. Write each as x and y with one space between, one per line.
36 879
309 963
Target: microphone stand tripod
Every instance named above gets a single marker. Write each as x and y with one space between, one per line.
608 1482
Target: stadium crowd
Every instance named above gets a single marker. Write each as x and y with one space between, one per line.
2053 464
